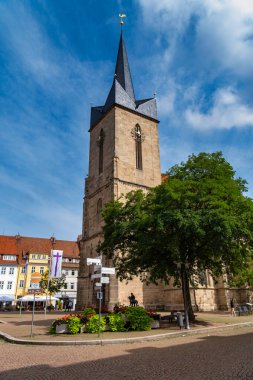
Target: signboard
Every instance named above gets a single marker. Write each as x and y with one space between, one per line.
99 295
105 280
96 261
36 277
35 291
98 275
105 270
35 285
98 284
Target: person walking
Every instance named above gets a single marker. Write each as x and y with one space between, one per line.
232 305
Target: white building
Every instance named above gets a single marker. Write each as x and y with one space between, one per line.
70 266
8 274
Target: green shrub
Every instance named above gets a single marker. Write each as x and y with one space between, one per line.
89 311
116 322
92 325
138 319
74 325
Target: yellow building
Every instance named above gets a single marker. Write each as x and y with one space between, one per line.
32 262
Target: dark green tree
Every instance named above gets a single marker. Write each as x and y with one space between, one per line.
198 220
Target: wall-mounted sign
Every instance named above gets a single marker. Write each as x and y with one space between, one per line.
105 270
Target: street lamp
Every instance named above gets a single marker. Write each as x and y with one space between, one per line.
182 267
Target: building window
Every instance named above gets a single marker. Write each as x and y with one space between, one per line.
70 260
138 147
66 272
9 257
99 205
33 269
73 272
11 271
101 152
41 270
1 284
3 270
72 286
23 270
21 283
44 257
9 284
38 257
33 257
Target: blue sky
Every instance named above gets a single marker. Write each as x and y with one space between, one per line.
57 58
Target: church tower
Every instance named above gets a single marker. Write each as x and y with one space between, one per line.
124 156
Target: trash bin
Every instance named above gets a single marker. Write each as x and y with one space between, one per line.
180 320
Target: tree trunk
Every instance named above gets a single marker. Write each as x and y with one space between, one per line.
188 298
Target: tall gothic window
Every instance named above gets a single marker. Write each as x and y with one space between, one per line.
99 205
138 147
101 151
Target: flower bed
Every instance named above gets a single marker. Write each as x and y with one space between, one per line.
123 318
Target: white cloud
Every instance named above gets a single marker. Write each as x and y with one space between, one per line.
223 38
228 111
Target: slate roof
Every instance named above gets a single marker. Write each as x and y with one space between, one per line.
122 91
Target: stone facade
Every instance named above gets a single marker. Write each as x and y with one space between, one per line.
116 122
119 176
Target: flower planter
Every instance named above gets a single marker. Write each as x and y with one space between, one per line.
61 329
155 324
83 329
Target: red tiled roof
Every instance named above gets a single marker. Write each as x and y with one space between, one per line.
165 177
22 245
8 245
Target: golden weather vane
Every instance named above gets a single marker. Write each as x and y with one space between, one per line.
122 15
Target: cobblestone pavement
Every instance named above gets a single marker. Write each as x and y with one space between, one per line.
226 355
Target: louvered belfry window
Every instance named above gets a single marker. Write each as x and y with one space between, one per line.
138 147
101 151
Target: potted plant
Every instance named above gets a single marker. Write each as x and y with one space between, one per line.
155 322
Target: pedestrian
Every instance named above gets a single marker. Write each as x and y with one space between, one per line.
232 305
70 305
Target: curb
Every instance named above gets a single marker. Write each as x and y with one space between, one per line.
102 342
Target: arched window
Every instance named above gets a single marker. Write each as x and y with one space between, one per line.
101 151
99 205
138 147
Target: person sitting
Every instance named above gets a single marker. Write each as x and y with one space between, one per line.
133 300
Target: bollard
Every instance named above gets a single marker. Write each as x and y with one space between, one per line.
180 321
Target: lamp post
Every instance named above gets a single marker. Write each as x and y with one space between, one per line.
52 241
182 267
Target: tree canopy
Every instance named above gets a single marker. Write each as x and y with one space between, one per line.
54 285
199 218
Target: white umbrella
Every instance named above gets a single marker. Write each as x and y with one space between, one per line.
5 298
28 298
44 298
37 298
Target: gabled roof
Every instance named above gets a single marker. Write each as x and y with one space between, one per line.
22 245
8 245
122 91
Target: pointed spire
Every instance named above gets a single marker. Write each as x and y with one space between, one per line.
122 69
122 90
